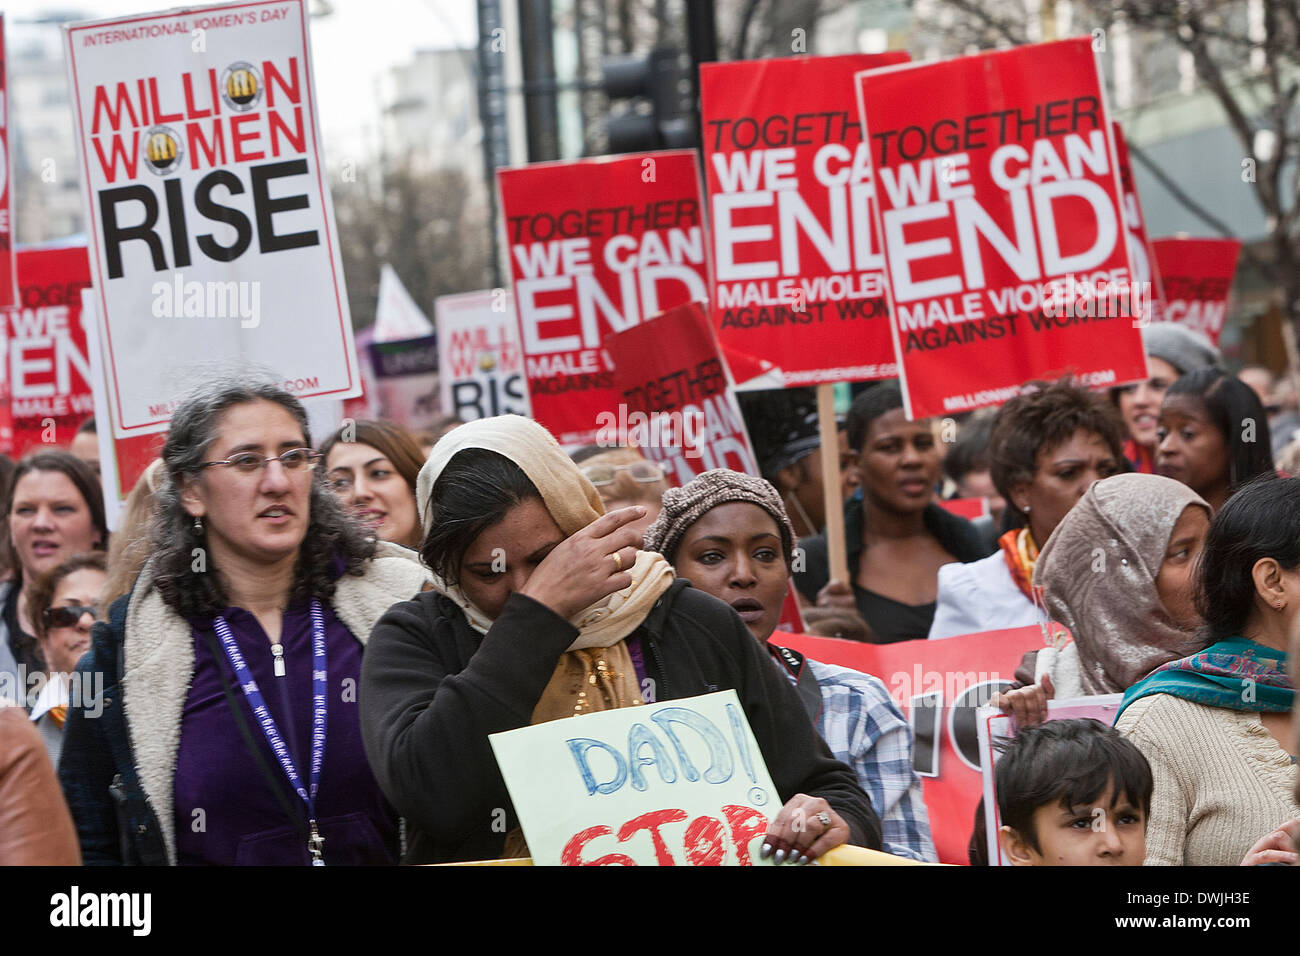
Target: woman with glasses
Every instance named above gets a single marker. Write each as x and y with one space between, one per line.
624 478
372 467
63 605
228 731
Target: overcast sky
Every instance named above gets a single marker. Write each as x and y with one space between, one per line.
352 48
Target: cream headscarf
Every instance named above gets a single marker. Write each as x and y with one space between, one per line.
1098 571
574 503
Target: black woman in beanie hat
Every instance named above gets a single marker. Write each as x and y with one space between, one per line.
729 534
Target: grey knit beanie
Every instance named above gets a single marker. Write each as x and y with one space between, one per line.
1183 348
686 505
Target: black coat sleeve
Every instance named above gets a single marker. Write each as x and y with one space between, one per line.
86 770
796 756
426 715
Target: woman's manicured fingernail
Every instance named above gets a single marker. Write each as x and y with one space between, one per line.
764 853
780 857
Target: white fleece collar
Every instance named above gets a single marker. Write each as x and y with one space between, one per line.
158 665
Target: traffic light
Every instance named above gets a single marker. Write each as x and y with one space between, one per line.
650 110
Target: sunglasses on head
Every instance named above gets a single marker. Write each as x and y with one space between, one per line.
644 471
67 616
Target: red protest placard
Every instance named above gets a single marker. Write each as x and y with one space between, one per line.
798 276
1141 256
8 265
49 372
938 685
675 399
1196 275
999 204
597 246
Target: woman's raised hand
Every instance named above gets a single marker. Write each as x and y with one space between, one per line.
1027 705
587 565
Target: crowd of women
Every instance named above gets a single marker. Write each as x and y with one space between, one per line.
293 653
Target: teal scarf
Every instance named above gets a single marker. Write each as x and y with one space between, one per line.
1235 673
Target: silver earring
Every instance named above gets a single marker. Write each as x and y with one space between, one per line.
198 525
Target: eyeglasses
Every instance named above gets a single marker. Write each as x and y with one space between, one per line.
67 616
643 471
247 463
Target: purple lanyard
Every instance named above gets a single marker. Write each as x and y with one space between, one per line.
267 722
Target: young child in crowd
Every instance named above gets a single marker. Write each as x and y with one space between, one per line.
1073 793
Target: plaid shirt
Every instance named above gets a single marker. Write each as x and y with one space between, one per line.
865 730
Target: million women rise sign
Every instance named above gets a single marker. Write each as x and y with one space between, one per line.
211 228
999 205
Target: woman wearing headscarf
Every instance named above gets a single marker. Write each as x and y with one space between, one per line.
544 608
1117 572
1048 446
1214 725
729 534
227 729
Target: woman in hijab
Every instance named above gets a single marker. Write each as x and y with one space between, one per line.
1214 725
1117 572
543 608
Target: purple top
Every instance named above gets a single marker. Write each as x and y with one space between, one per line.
242 822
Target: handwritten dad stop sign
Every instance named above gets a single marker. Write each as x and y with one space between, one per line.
999 205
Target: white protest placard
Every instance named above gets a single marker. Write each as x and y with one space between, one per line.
211 228
480 362
991 725
681 782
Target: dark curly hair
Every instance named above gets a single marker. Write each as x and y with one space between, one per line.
331 535
1262 520
1039 419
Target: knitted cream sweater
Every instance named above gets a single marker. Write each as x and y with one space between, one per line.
1221 780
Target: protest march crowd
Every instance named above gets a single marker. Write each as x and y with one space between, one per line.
921 566
482 580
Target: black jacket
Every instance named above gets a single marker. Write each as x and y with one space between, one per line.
97 760
433 689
